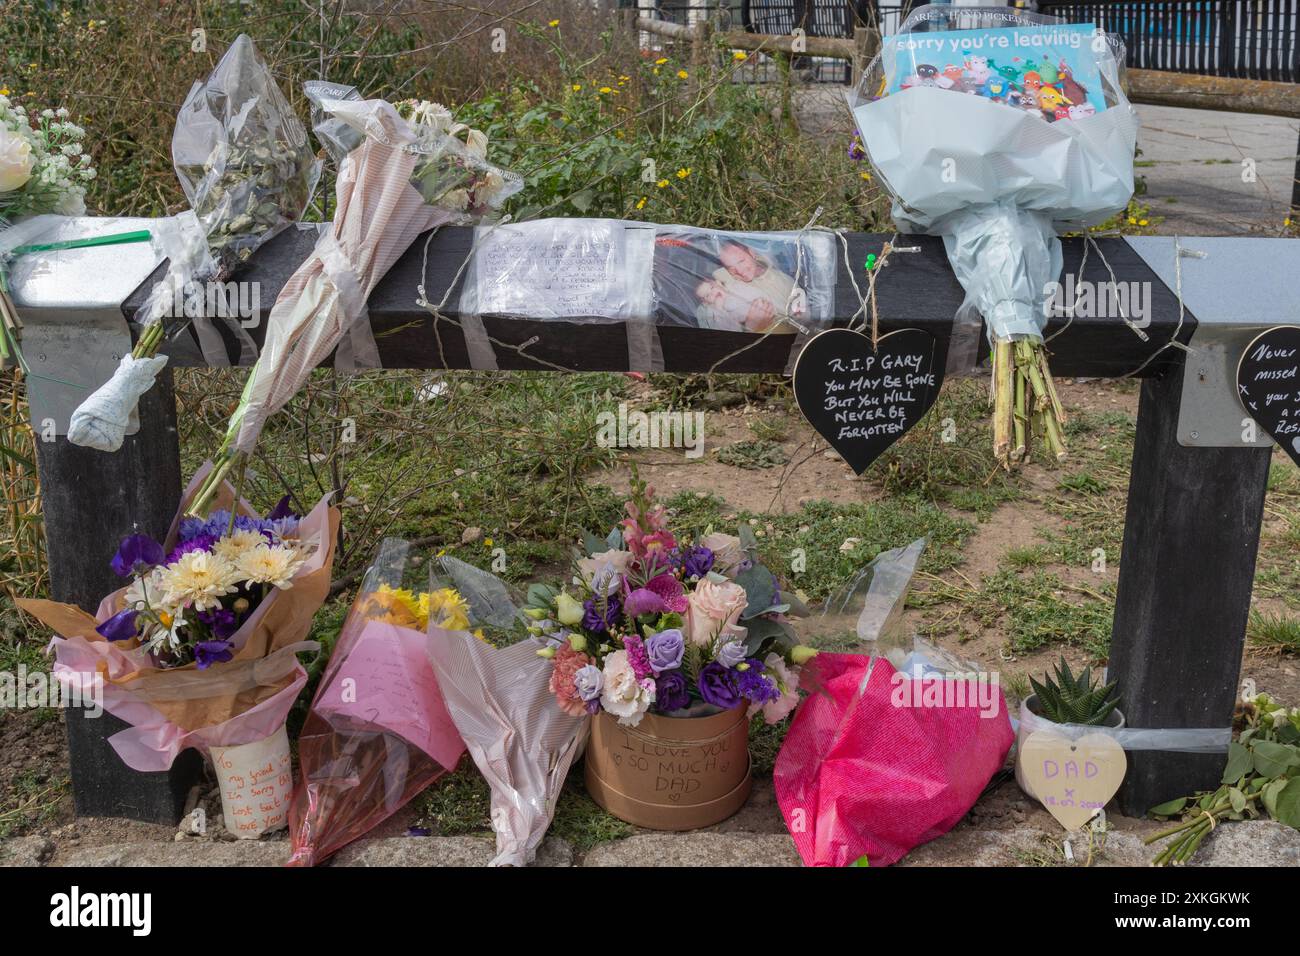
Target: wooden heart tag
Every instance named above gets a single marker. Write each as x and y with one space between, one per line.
1073 779
861 399
1268 385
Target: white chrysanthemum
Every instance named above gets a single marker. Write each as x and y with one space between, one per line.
145 592
274 566
199 579
233 545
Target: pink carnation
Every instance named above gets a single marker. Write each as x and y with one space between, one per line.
567 663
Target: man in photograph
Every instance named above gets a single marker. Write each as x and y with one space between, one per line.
769 294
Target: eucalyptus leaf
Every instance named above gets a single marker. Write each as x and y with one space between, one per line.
1269 795
760 587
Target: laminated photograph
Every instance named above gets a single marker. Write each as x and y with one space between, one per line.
776 282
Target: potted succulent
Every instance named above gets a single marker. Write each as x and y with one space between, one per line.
1063 698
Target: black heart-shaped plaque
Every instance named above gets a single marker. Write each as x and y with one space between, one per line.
861 399
1268 384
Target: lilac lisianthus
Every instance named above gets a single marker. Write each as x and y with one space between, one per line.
665 650
120 627
730 653
589 682
671 691
136 555
600 617
207 653
717 685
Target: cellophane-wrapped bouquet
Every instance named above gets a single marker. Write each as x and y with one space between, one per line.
997 128
248 170
378 731
653 622
403 170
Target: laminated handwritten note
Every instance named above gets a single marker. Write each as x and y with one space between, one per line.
552 269
1268 384
387 682
863 399
256 781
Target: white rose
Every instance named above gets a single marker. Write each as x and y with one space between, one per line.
15 160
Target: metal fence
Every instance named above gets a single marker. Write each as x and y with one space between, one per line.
1254 39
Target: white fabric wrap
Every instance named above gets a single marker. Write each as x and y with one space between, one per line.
101 420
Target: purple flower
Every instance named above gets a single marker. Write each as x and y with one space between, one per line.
281 510
665 650
644 601
596 621
717 685
754 685
856 152
637 658
730 653
136 555
200 542
119 627
697 562
222 622
207 653
589 681
671 692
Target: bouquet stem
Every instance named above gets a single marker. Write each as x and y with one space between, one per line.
1024 394
150 340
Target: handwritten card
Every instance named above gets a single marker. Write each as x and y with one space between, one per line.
1268 384
256 781
387 681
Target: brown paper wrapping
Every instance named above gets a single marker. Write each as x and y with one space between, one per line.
263 663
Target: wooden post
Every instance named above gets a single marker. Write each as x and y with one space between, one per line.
701 54
91 501
866 42
1191 534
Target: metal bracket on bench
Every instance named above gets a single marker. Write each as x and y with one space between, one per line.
1230 286
74 332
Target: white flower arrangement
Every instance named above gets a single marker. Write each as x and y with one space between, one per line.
43 164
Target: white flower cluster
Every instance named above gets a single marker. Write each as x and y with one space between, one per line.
43 165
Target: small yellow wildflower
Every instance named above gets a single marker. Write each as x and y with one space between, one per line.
656 71
4 91
739 56
866 176
577 87
1132 221
554 23
487 542
1286 222
624 79
682 74
684 172
662 183
605 89
1142 222
640 203
661 61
